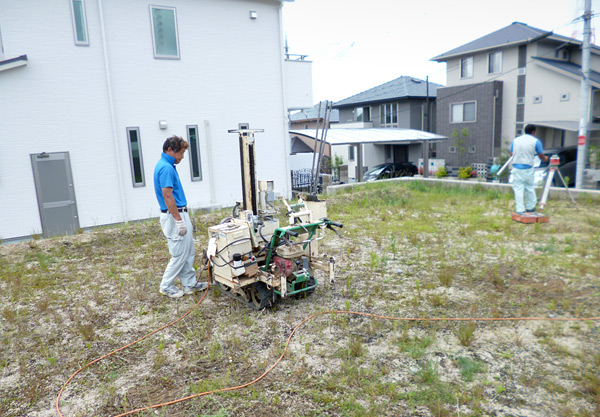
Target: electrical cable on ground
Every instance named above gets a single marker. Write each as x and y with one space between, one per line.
332 312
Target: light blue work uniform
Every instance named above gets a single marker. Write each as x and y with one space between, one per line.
524 149
181 248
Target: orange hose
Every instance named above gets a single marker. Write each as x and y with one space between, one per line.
288 342
126 346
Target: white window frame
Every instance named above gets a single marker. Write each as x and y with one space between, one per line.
452 149
141 183
463 112
154 50
351 153
194 158
472 149
495 62
389 110
84 25
463 61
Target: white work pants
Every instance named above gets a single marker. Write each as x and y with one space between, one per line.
525 197
182 252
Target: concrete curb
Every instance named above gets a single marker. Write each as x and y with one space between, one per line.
555 192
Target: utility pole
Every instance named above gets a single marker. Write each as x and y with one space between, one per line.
584 103
426 142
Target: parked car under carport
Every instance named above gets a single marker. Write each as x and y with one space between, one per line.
390 170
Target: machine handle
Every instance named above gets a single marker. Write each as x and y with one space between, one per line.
332 223
291 233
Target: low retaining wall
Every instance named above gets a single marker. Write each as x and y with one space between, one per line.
555 192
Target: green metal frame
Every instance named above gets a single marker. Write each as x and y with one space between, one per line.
300 278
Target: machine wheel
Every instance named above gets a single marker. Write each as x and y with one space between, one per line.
260 296
222 287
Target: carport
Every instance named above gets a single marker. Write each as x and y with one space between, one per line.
358 137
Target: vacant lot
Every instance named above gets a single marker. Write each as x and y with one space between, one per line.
409 250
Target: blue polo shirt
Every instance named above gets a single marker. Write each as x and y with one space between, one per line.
165 176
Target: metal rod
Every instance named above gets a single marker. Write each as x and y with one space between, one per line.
504 166
328 105
312 167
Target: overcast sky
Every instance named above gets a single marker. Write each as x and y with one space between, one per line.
357 45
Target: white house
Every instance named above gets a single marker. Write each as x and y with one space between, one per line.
90 89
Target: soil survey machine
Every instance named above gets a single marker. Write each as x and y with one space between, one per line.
255 260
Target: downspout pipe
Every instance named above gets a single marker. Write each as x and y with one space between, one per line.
285 118
112 114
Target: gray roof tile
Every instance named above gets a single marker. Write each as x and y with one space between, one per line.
569 67
402 87
514 33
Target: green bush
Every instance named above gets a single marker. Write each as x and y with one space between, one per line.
441 172
464 172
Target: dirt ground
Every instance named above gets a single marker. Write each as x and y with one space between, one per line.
412 256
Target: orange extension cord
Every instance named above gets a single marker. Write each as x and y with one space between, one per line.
287 344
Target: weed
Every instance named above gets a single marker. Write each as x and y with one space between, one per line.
429 373
446 275
466 333
468 368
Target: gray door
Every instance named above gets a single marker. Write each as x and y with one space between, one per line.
55 193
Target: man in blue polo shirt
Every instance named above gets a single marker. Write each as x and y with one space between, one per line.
175 221
523 150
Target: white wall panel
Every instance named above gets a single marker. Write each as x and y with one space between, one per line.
230 71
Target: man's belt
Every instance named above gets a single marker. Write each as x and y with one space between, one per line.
179 209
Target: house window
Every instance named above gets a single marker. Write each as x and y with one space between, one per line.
471 149
463 112
388 151
363 114
195 163
466 67
351 152
495 62
135 156
164 32
389 114
564 97
79 23
452 149
537 99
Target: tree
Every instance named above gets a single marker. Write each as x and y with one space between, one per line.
459 139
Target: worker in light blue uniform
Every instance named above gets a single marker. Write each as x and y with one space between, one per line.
523 150
175 222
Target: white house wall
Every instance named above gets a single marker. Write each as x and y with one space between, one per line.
298 84
539 79
373 155
230 71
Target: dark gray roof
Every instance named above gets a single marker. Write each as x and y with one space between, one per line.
569 67
403 87
311 113
513 34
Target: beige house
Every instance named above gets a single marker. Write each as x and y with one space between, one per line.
509 78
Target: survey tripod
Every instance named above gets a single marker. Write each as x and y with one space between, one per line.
553 170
